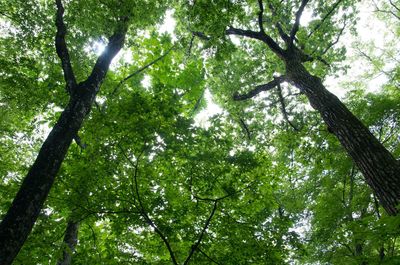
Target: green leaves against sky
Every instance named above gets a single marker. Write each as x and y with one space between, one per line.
150 185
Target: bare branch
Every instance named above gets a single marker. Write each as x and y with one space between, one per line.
327 15
207 223
296 24
283 108
62 50
276 81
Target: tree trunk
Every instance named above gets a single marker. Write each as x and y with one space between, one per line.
20 218
25 209
69 243
379 167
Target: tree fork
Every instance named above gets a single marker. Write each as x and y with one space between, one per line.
24 211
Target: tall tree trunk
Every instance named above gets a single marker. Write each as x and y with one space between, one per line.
69 243
379 167
25 209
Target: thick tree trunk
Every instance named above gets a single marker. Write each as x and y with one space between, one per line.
19 220
69 243
379 167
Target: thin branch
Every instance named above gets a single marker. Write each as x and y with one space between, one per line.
258 89
201 35
283 108
142 209
62 50
336 40
208 257
141 70
246 128
281 32
198 101
327 15
189 51
387 11
296 24
260 16
223 197
396 7
331 44
322 60
207 223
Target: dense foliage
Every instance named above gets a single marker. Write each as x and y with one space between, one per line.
264 181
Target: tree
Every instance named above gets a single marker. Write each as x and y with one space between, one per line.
20 218
295 50
261 182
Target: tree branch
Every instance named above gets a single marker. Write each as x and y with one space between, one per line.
245 128
281 32
336 40
62 50
276 81
327 15
208 257
296 24
283 108
207 223
142 209
116 41
260 16
141 70
396 7
387 11
201 35
258 36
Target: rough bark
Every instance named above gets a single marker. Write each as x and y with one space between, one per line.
25 209
379 167
69 243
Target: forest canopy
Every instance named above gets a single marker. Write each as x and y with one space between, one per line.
201 132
